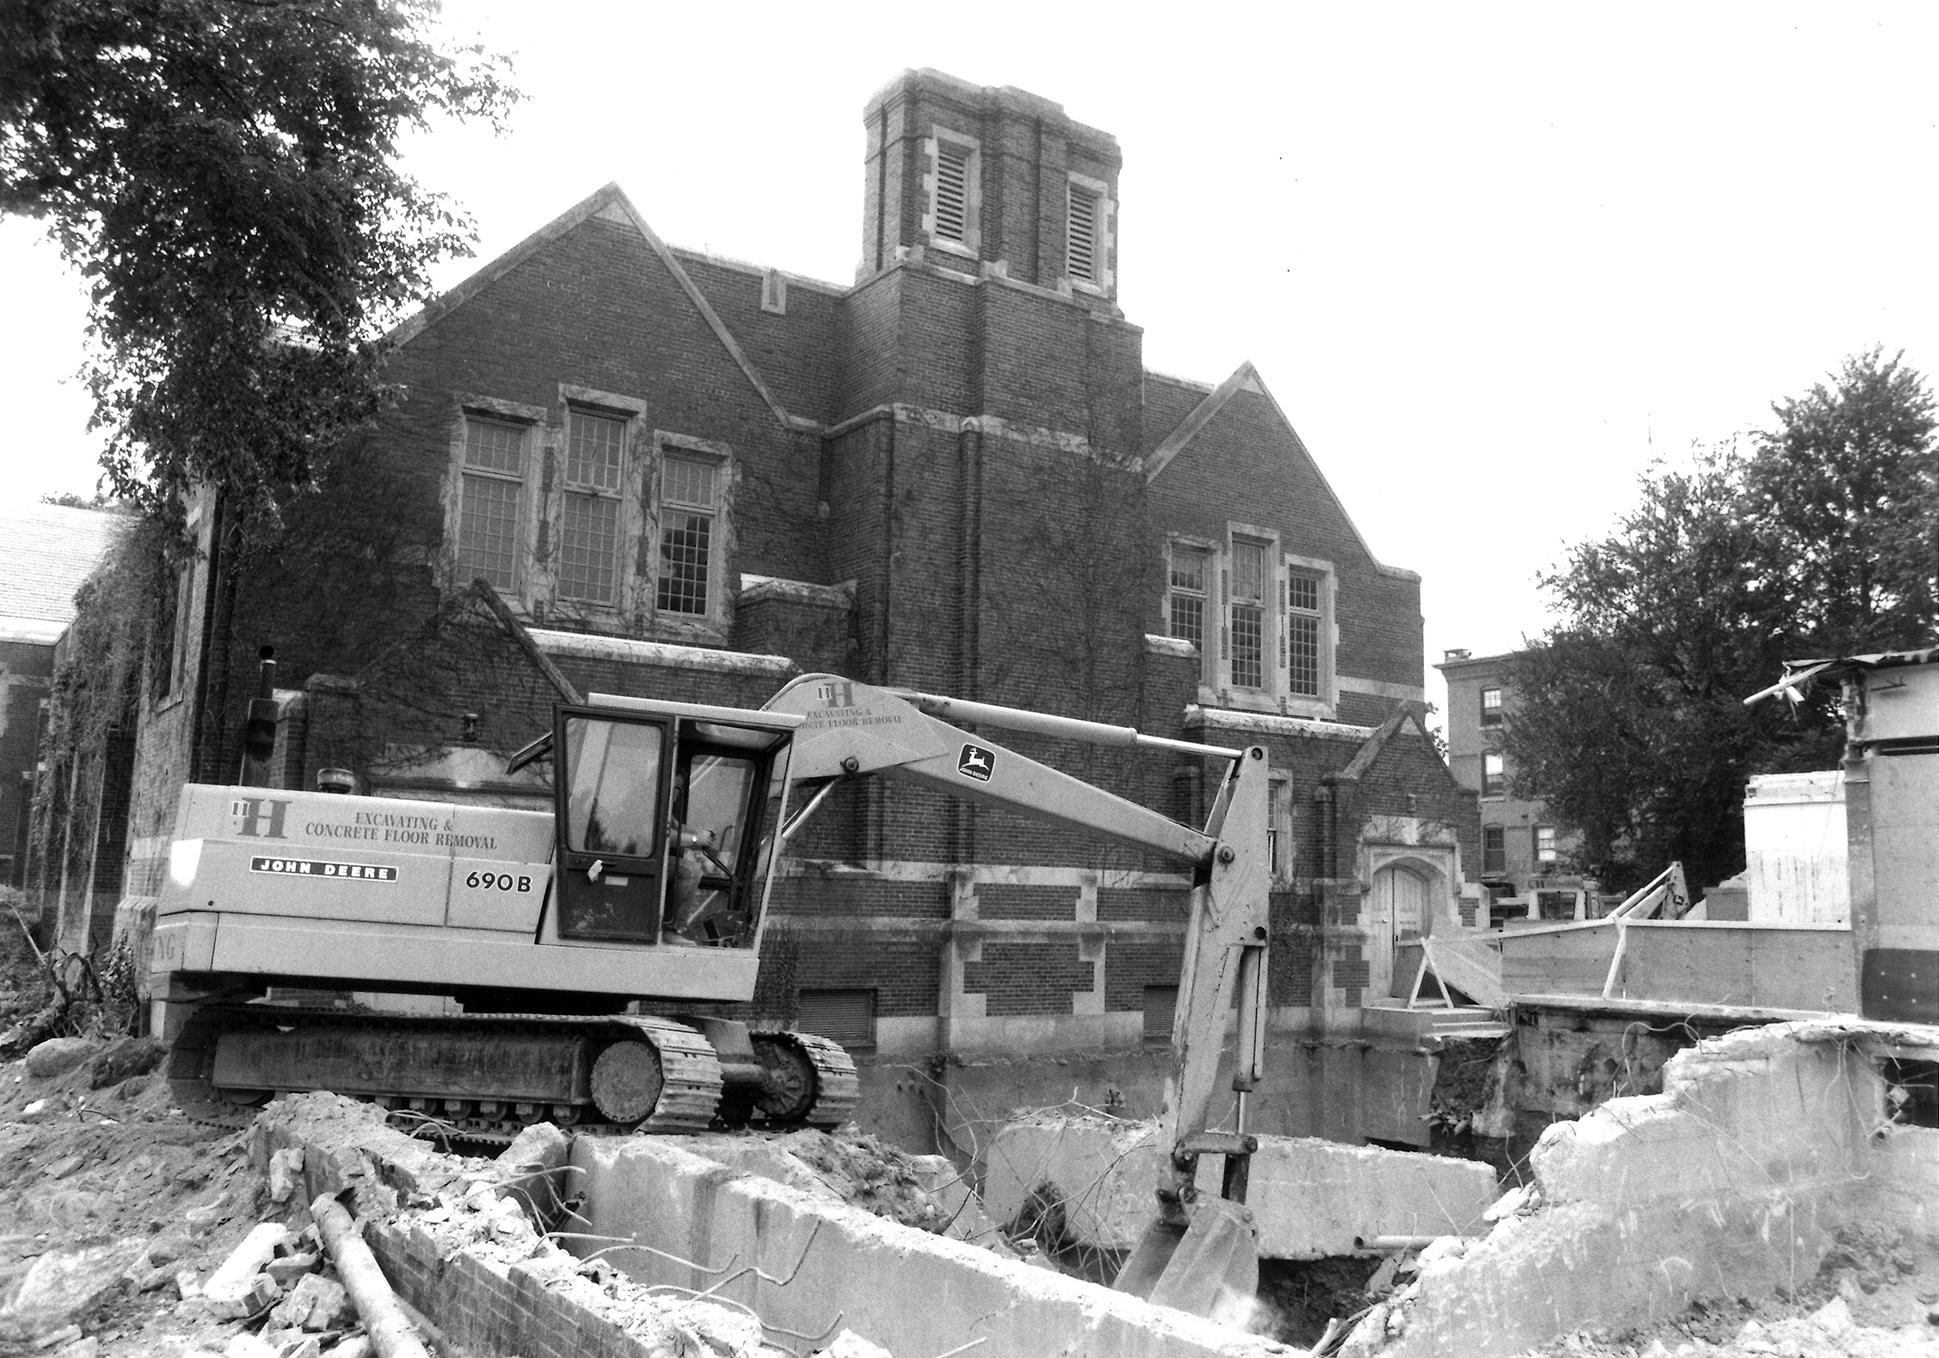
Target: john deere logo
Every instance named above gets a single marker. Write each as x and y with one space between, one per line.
259 817
976 762
836 693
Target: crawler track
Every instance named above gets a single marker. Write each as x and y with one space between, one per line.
482 1079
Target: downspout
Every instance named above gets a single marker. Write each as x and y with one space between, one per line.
969 593
884 665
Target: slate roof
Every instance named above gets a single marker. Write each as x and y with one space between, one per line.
46 551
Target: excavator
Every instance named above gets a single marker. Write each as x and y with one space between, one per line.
561 949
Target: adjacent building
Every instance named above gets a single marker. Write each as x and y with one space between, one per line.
626 467
46 552
1527 861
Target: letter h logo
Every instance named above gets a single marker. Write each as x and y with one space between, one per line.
259 817
836 693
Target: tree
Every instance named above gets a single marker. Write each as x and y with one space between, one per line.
224 173
1630 724
1846 494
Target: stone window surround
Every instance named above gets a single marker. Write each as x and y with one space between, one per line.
532 419
970 247
721 455
1215 689
1327 700
633 469
1177 544
547 431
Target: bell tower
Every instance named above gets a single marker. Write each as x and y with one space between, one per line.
989 181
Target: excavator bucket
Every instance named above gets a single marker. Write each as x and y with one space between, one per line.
1210 1268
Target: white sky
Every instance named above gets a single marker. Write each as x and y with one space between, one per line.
1490 259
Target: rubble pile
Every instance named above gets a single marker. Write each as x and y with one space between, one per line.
127 1230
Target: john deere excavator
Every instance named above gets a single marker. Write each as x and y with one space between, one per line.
647 887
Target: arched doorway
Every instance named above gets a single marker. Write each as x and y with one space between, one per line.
1397 914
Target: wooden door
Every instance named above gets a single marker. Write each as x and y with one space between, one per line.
1399 902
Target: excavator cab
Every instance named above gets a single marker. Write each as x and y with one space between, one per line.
664 822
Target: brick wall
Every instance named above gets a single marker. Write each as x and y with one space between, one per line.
980 490
26 674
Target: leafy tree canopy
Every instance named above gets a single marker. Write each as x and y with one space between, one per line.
1630 721
223 172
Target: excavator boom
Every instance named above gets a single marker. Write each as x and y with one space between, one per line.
1196 1253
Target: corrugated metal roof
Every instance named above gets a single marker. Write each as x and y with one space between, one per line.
46 551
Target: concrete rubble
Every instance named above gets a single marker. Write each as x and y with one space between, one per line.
1311 1199
1769 1202
1765 1150
812 1267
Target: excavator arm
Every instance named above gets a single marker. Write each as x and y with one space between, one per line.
1198 1250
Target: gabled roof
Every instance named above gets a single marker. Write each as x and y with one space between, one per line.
46 551
1246 378
1377 743
611 204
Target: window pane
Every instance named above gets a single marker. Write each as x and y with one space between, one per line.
1491 773
687 481
1188 571
592 453
685 544
1491 707
1305 592
488 531
1083 234
586 555
952 190
1248 570
615 771
1248 635
1494 849
493 445
1303 660
1188 619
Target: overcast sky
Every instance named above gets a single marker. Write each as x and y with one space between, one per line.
1491 260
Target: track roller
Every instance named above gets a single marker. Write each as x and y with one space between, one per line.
805 1080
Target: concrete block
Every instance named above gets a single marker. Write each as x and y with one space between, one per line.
1310 1197
757 1155
1731 1183
1103 1173
803 1263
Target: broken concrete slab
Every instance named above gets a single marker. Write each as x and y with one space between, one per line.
807 1265
757 1155
1311 1199
1730 1183
62 1286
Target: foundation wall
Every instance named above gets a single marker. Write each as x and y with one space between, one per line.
823 1267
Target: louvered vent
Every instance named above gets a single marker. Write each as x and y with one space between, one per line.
1083 235
844 1016
952 191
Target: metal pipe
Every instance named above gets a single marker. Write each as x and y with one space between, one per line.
1044 723
1393 1242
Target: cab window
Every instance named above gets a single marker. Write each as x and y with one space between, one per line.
613 806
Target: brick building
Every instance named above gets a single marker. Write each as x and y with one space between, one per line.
46 553
687 477
1527 861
